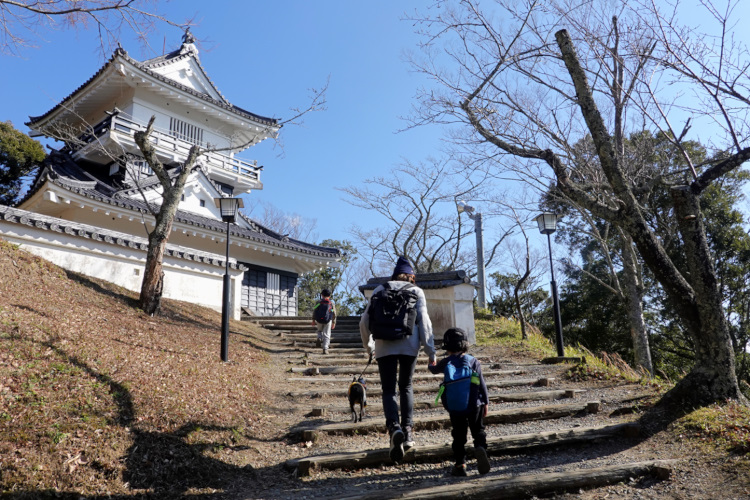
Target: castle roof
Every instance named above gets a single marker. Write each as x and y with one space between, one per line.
426 281
87 181
150 68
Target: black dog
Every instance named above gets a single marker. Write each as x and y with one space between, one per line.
358 395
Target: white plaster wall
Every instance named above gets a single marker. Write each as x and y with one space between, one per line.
146 104
184 280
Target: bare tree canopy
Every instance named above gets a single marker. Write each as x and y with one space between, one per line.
22 20
417 202
530 80
287 224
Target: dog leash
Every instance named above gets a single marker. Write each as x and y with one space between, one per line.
366 366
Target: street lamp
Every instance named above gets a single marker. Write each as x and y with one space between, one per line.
228 208
547 222
477 218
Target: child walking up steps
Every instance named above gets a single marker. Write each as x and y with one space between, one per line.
464 395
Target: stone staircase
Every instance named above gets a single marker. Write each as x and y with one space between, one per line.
531 413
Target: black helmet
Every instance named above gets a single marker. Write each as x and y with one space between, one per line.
454 340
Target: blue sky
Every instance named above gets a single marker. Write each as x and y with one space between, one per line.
264 56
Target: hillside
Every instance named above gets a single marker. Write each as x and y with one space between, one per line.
98 400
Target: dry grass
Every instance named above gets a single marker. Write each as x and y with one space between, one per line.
717 429
98 398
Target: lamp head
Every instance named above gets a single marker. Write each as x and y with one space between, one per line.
547 222
463 207
228 207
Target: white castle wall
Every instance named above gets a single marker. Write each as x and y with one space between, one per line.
189 281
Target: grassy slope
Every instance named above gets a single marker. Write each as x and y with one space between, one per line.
97 397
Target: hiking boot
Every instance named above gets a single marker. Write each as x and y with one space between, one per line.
408 438
397 445
325 351
318 343
459 470
483 462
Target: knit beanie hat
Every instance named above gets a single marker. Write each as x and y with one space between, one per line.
402 267
454 340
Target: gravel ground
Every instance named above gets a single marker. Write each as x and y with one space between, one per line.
696 475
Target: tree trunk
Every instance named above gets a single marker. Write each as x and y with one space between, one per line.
521 317
152 286
634 295
713 376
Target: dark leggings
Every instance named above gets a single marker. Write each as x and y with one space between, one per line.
461 422
401 367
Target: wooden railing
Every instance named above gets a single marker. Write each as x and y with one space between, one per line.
165 141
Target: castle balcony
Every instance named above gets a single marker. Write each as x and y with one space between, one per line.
113 138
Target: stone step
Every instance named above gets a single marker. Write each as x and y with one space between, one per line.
309 328
533 485
428 376
375 406
341 392
497 445
442 421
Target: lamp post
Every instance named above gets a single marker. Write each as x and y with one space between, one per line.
547 222
477 218
228 208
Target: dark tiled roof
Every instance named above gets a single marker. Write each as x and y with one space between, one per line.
62 171
425 280
205 97
75 229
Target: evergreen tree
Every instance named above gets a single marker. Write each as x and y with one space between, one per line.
309 285
19 156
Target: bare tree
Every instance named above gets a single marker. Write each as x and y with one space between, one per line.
522 88
21 20
525 272
418 203
624 278
292 225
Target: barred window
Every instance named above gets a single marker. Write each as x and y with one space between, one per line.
143 167
185 131
137 169
272 283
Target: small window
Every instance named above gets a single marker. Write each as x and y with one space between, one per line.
203 203
225 188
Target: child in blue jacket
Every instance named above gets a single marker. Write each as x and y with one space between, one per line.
456 344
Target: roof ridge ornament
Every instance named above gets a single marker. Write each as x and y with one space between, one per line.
188 42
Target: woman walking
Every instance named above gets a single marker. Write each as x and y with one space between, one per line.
393 327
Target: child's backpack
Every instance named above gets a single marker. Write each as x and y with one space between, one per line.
456 387
323 312
393 312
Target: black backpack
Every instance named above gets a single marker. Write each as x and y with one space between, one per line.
323 312
393 312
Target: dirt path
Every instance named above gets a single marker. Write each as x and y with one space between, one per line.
309 422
